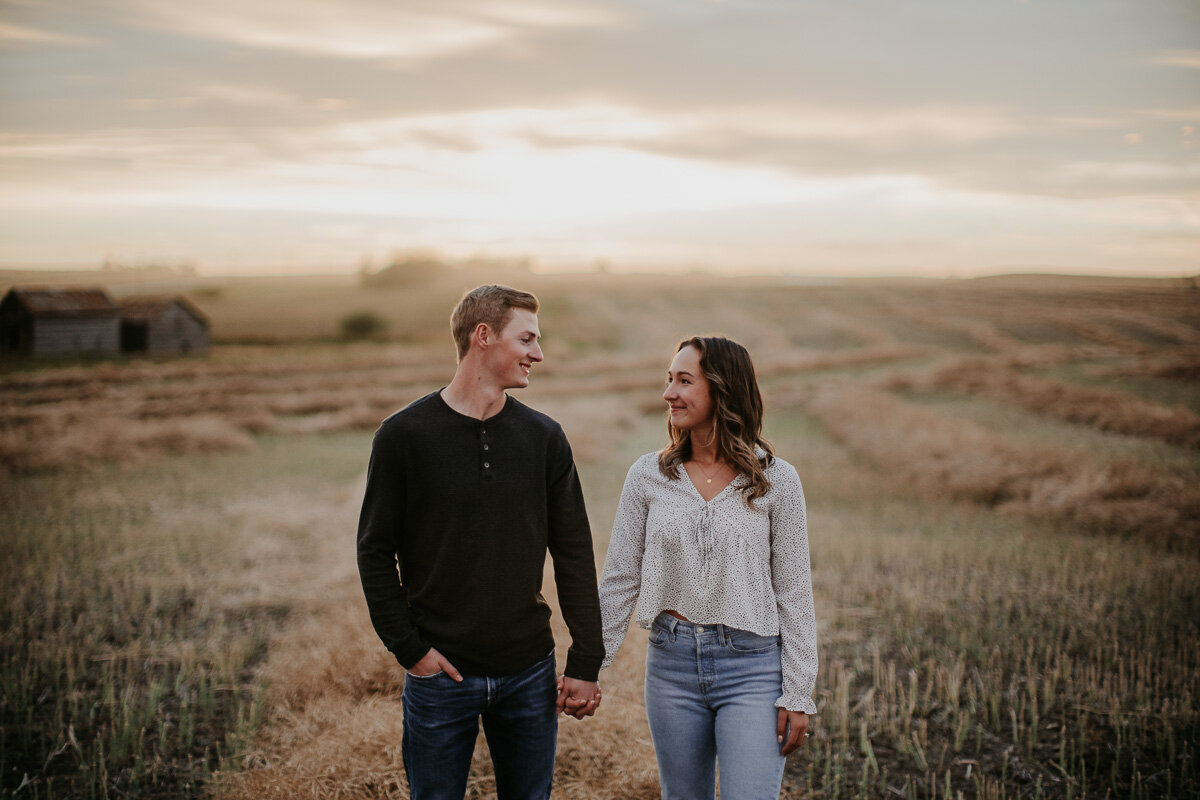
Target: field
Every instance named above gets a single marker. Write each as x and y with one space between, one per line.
1003 485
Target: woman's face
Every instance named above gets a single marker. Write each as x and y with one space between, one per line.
687 392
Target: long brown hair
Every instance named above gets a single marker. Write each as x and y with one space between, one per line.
737 415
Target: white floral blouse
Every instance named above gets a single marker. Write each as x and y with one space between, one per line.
715 562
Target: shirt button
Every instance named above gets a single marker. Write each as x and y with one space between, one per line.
483 431
487 465
485 447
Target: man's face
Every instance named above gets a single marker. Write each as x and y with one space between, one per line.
515 349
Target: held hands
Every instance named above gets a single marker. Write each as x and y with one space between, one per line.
432 663
791 730
578 698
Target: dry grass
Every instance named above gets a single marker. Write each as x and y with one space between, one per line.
961 459
999 656
45 443
137 600
1105 409
1182 365
181 615
65 418
335 722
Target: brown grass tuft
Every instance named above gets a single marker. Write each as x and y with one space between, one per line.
945 456
1104 409
1181 365
42 445
335 720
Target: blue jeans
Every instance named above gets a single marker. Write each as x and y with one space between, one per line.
710 695
520 720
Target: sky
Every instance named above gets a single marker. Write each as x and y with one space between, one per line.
860 137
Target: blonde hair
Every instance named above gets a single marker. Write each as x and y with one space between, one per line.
489 304
737 416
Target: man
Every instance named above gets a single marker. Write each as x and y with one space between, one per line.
466 491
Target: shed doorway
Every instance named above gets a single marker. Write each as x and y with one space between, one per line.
135 337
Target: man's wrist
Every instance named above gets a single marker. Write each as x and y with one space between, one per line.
585 671
412 655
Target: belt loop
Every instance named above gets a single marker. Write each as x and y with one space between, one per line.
721 633
671 623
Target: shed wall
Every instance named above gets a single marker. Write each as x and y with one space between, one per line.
71 335
177 331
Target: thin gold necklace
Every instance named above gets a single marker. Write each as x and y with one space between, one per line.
709 478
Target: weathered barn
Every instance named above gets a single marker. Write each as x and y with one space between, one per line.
45 321
163 326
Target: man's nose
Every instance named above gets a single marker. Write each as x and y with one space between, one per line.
537 353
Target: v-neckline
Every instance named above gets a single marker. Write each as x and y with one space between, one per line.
696 486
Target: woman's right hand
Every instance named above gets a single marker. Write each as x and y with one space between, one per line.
431 664
791 730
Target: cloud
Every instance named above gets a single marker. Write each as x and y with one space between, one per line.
363 29
735 127
546 121
1178 58
979 149
13 34
264 96
569 163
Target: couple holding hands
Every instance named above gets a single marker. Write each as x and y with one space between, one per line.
466 492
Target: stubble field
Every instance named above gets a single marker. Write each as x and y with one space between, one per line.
1003 484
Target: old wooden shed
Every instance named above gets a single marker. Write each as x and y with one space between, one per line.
163 326
52 321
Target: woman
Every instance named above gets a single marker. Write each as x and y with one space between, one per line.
710 545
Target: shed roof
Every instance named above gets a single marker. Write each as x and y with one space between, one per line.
62 301
145 308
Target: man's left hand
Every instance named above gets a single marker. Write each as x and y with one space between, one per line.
578 698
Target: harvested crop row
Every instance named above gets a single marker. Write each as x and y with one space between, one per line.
68 424
942 456
1105 409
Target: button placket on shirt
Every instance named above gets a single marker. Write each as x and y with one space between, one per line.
485 455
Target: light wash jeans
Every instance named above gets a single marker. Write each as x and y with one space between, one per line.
710 695
520 720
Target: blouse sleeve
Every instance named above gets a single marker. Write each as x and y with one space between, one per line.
791 575
621 579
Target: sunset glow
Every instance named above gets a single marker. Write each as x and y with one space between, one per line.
762 136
